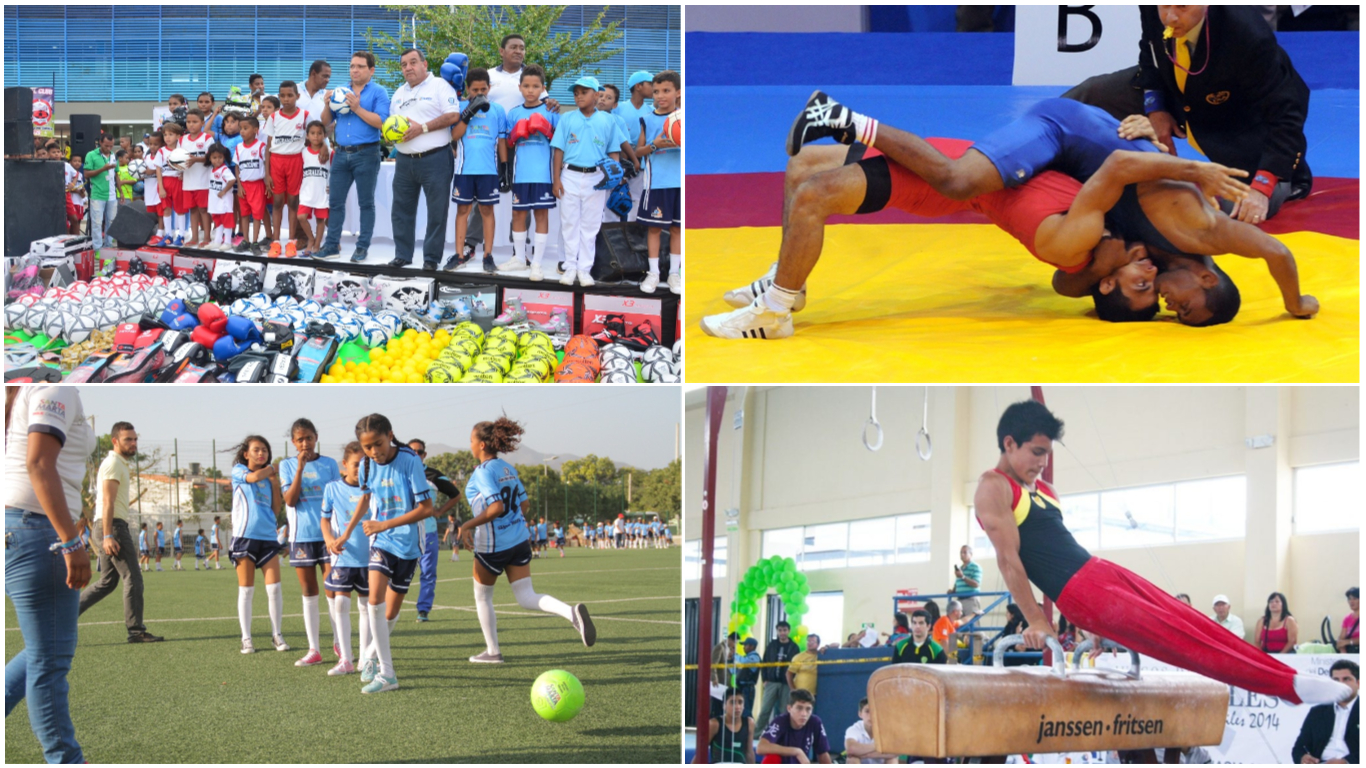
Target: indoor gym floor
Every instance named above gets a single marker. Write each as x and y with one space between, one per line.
900 298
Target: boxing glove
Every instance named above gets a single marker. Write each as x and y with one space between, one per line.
519 131
454 69
539 124
476 105
243 330
227 348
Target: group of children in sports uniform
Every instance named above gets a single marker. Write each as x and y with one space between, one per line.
628 534
358 524
152 546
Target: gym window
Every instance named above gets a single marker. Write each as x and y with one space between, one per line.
853 544
692 559
1323 495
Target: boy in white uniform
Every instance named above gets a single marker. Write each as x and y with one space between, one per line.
195 183
583 140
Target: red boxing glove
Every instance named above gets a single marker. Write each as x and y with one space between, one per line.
212 319
539 124
519 131
205 337
1264 182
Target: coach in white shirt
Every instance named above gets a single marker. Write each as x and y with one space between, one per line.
425 163
313 92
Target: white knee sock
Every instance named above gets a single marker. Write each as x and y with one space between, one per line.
311 621
538 240
519 244
332 618
654 266
275 602
483 603
528 599
675 263
363 618
394 622
341 618
380 628
166 223
244 610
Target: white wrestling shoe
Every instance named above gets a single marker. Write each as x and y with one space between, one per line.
746 294
1313 689
755 321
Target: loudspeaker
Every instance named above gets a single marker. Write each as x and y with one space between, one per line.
18 121
85 134
133 225
37 212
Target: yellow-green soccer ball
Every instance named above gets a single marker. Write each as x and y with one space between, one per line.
557 696
394 127
469 330
486 366
522 375
537 365
444 372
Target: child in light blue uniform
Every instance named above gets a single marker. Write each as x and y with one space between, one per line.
199 550
497 535
531 189
660 200
256 500
350 549
302 480
176 546
481 151
398 498
583 139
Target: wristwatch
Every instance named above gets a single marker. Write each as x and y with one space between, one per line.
425 129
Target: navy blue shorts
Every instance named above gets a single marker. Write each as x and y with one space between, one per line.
466 190
178 550
1055 134
660 208
143 551
497 562
347 579
259 550
560 542
527 197
161 551
304 554
399 571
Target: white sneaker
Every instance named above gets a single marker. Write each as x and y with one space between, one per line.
536 275
568 278
742 296
487 658
279 642
676 285
585 279
755 321
247 647
650 283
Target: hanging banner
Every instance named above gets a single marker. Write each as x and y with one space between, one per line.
42 112
1065 44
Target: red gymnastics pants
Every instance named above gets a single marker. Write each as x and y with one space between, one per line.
1128 609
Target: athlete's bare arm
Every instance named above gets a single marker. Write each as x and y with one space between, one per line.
992 503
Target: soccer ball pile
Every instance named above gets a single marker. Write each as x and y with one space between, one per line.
71 314
501 355
358 324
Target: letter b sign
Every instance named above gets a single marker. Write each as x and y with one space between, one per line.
1077 10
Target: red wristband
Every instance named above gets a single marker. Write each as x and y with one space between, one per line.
1264 182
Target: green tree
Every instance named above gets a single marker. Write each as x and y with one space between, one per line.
661 491
476 30
590 470
145 462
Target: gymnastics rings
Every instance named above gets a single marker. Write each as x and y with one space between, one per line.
872 422
923 447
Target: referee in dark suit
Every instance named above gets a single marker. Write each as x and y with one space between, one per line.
1329 733
1216 76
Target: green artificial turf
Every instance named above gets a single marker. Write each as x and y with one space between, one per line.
194 698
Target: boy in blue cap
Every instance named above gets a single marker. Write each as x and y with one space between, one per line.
583 140
640 89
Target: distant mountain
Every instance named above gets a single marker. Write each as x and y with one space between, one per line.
523 455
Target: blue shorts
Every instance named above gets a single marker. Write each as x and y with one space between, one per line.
179 551
465 190
259 550
306 554
347 579
660 208
143 551
1056 134
399 571
527 197
497 562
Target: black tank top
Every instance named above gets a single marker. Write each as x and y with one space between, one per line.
1127 220
1051 556
728 746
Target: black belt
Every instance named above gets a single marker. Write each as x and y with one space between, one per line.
445 147
358 147
581 169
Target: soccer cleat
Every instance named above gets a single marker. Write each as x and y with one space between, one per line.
310 659
342 668
822 117
274 251
536 275
745 295
676 284
568 278
279 642
584 625
422 617
650 283
755 321
368 670
512 313
381 684
487 658
247 647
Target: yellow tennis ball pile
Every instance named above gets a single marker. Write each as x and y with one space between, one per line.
404 360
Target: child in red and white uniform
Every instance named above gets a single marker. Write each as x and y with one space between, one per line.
313 201
174 213
250 157
195 184
221 186
286 132
150 195
75 196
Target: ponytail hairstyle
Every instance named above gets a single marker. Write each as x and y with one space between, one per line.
302 424
240 450
500 436
378 424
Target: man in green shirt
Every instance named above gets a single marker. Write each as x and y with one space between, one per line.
919 648
102 170
967 581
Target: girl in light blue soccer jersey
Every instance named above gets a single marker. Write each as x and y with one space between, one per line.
256 500
398 498
343 508
498 536
302 480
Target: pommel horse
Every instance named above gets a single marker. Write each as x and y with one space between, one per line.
933 710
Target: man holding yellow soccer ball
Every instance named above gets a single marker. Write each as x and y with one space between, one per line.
429 106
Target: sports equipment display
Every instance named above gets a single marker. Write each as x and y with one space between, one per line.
557 696
394 128
338 100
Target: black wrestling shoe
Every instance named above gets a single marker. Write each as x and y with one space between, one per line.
822 117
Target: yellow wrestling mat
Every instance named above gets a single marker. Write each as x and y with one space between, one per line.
966 303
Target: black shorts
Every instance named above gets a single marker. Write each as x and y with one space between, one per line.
660 208
161 551
214 546
179 551
399 570
347 579
497 562
143 551
306 554
261 551
542 542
